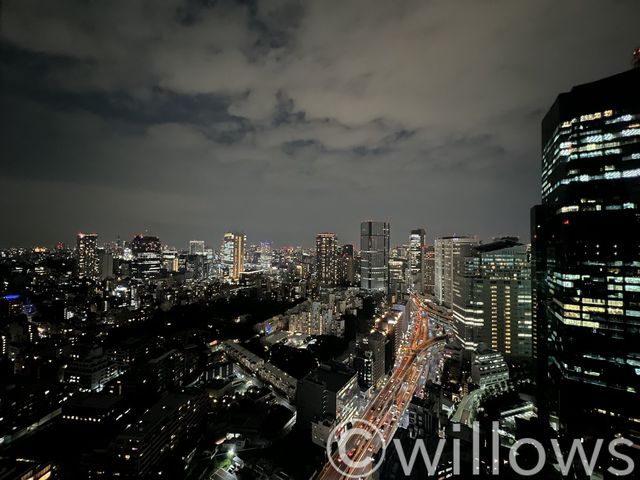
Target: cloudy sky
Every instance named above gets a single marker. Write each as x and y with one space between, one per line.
187 118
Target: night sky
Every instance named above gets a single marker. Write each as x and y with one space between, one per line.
285 118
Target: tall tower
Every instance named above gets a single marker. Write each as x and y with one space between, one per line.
492 297
87 246
374 256
447 250
416 258
429 269
265 256
233 246
587 260
327 259
346 265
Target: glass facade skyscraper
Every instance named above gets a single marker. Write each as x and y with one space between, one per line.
587 259
374 256
233 246
147 256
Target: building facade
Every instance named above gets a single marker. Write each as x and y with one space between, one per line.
327 396
265 256
196 247
446 250
417 244
346 265
87 255
587 260
233 249
147 256
492 297
429 270
326 259
374 256
177 420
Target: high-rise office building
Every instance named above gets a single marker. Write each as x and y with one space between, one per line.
587 259
374 256
196 247
346 265
106 265
446 250
369 359
398 273
233 246
265 255
429 269
326 259
363 365
147 256
417 259
492 297
87 246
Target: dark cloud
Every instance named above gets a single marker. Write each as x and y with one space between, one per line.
283 118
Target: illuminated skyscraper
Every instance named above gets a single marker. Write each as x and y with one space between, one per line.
87 245
346 265
196 247
492 297
374 256
429 269
587 259
326 259
147 256
265 255
416 258
446 251
233 246
398 273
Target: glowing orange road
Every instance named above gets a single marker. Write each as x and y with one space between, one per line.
387 408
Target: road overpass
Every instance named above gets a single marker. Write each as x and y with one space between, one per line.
383 414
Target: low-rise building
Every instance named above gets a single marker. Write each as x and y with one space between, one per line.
489 369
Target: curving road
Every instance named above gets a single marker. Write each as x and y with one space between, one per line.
388 406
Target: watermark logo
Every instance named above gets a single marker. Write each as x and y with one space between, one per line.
357 448
353 447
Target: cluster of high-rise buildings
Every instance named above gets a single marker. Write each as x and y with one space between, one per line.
569 302
145 257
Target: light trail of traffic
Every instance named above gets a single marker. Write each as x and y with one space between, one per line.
389 405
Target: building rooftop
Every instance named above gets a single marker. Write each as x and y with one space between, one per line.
97 401
333 376
499 244
157 413
606 93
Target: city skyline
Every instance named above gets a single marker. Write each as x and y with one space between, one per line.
311 116
397 240
318 240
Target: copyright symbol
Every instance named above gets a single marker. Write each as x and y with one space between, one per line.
357 441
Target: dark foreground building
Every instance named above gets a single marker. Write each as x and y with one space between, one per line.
586 259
